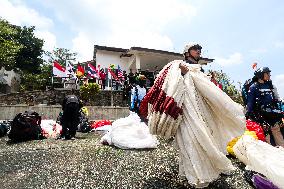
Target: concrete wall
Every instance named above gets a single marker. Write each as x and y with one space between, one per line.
55 97
51 112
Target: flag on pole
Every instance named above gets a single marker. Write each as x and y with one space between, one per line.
58 70
92 72
119 73
254 66
112 73
70 70
99 68
80 70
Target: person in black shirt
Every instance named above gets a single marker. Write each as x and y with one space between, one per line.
71 116
131 77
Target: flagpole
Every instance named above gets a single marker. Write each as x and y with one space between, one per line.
111 94
52 82
66 72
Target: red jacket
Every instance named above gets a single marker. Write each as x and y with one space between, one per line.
102 75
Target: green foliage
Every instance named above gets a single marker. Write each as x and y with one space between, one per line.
39 81
61 55
19 48
9 45
29 58
30 81
89 91
228 86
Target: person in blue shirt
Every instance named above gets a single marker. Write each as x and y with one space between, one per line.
263 106
137 93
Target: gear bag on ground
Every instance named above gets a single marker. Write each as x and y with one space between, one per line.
26 126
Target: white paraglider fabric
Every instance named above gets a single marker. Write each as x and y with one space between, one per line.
209 120
130 133
50 129
261 157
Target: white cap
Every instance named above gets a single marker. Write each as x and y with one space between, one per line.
189 45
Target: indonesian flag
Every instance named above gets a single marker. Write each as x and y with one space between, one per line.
80 70
58 70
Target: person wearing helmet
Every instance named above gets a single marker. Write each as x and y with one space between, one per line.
191 55
263 106
71 106
183 103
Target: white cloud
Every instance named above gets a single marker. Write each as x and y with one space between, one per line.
19 14
140 39
155 15
49 39
111 23
234 59
83 46
259 51
122 23
279 83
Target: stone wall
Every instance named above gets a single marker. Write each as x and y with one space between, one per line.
55 97
51 112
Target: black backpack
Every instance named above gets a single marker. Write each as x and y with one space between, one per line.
245 89
84 125
70 99
26 126
3 129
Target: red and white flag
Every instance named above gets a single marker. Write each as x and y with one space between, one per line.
113 74
58 70
254 66
92 71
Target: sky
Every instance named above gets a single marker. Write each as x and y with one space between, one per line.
236 33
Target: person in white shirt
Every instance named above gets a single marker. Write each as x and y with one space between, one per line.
137 93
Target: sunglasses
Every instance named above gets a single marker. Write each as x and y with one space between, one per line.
196 49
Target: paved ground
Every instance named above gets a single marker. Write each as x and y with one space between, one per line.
83 163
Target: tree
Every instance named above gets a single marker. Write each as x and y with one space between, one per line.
30 81
61 55
9 45
228 86
19 48
39 81
88 91
29 58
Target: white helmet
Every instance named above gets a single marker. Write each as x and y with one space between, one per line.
191 45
